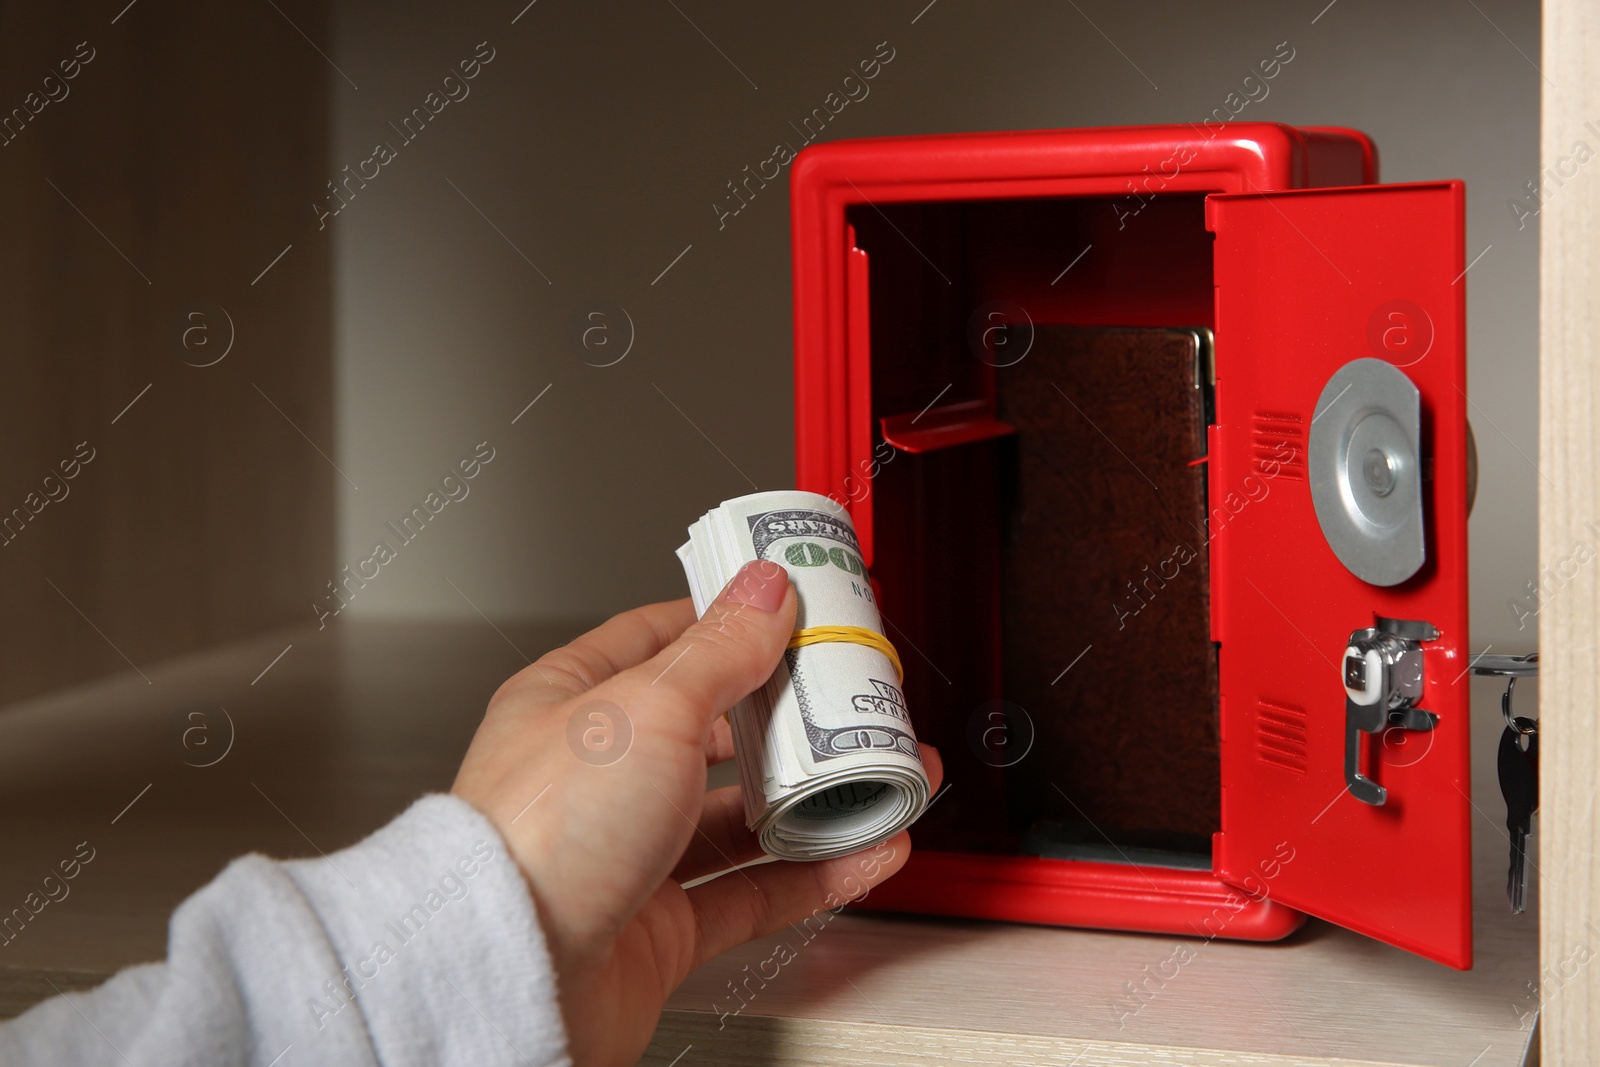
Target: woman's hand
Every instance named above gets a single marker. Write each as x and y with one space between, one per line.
592 765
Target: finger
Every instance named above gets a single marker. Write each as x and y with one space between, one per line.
721 840
719 743
754 902
722 657
622 641
628 639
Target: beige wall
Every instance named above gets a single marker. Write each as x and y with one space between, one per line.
598 140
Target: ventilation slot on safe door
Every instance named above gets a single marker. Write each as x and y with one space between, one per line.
1281 735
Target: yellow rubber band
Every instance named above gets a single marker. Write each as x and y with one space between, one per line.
859 635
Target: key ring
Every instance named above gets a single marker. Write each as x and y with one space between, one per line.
1520 723
1511 668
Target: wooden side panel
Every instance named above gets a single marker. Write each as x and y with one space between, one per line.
151 168
1569 458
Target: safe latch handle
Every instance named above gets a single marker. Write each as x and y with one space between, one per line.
1382 686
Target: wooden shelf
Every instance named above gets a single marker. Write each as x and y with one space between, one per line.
354 721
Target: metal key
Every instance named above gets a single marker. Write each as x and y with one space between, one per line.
1519 782
1519 766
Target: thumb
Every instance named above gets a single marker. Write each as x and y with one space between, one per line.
726 654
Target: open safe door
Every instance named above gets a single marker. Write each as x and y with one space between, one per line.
1338 497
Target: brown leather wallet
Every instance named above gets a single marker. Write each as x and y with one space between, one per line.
1105 589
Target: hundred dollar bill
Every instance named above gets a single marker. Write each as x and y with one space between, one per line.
827 756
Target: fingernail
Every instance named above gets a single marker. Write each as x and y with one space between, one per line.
760 584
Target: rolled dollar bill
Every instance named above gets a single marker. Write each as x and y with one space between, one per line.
827 756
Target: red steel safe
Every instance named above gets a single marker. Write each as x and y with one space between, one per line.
1162 431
